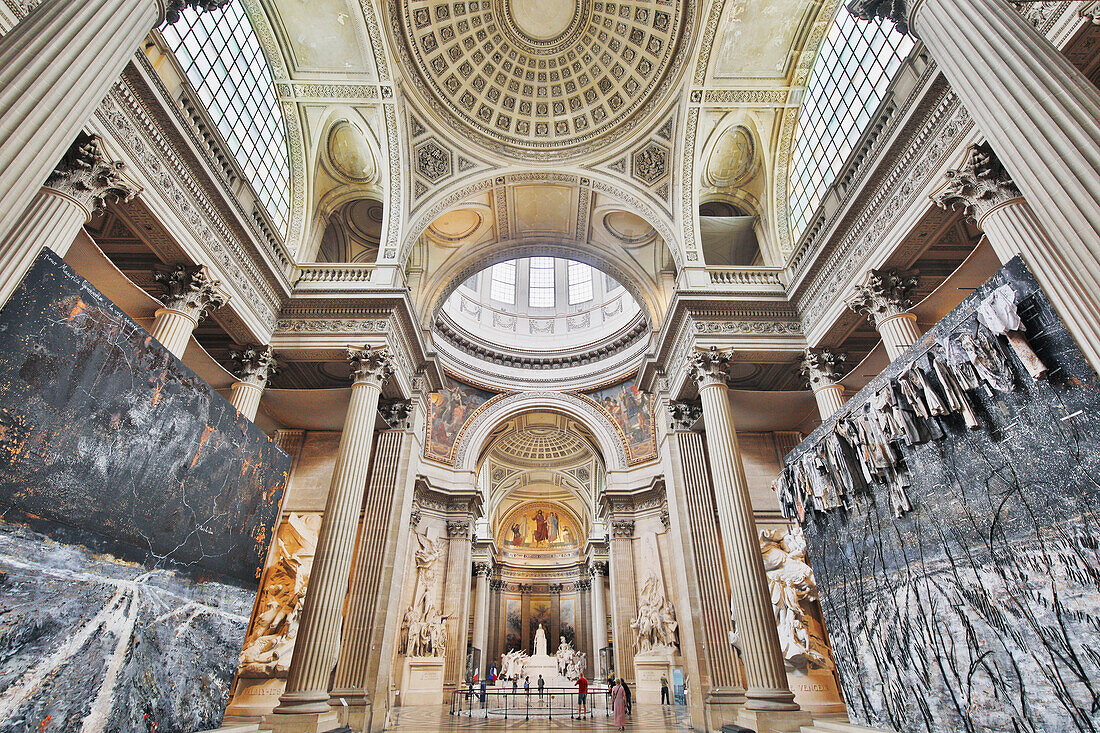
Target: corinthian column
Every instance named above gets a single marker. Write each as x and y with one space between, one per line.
768 697
820 367
1039 113
316 648
56 66
252 368
884 298
482 572
190 293
79 186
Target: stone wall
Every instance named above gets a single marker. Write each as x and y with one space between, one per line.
978 609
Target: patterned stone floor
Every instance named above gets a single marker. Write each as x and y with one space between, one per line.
646 719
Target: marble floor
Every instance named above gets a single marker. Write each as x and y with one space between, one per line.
646 719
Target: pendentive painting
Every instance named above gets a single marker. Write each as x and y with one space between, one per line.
451 409
631 410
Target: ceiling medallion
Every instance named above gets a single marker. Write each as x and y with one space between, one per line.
541 78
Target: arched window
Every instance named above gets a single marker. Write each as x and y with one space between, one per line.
857 62
222 58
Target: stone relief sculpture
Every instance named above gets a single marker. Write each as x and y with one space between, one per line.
423 633
268 647
655 625
791 582
571 663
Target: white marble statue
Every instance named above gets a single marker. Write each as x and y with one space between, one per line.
571 663
540 642
791 582
512 664
655 625
564 654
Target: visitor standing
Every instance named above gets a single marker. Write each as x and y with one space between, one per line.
664 691
542 684
618 704
527 686
629 698
582 694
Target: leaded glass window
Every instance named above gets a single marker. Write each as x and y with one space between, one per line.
857 62
540 292
502 286
222 58
580 283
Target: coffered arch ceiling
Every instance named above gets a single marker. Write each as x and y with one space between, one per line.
542 79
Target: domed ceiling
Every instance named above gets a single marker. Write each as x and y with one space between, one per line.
540 78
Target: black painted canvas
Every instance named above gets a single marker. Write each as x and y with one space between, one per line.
137 509
979 610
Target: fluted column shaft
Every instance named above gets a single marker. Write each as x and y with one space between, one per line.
830 398
481 614
1039 113
246 398
52 220
456 602
599 616
173 329
56 66
898 333
1013 229
624 599
768 688
318 642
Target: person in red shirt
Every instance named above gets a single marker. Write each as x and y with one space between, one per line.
582 694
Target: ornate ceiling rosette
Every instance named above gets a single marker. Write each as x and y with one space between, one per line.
543 79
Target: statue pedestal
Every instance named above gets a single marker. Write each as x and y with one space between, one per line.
649 667
547 666
254 698
422 681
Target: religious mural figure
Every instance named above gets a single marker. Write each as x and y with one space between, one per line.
542 529
552 522
450 409
632 410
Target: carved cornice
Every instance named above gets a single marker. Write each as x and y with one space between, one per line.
254 365
370 366
821 368
978 186
884 294
191 290
87 176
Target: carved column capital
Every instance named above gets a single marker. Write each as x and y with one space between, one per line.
683 415
978 186
821 368
414 517
396 413
483 569
89 178
666 519
458 528
622 528
191 290
254 364
597 569
583 584
370 366
711 367
173 8
885 294
897 12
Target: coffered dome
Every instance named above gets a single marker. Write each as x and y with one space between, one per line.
540 78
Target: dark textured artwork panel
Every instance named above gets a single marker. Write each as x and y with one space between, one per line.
979 610
136 508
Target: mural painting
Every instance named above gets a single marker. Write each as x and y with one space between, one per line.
138 507
631 410
451 409
568 620
513 618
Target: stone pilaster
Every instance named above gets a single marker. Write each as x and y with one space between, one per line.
821 368
624 601
252 366
79 186
190 293
456 602
884 297
1039 113
482 572
768 691
718 691
56 66
305 704
598 571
